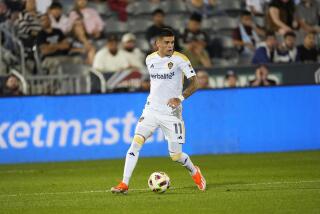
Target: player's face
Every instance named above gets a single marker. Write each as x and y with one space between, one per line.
166 45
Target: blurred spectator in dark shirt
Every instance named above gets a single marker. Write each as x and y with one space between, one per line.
246 36
308 15
195 50
231 79
280 16
58 19
193 30
12 86
308 51
158 17
53 45
203 79
262 78
267 50
4 11
287 52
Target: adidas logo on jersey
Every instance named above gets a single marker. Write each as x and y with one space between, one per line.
162 76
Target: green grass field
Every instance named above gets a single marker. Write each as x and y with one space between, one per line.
258 183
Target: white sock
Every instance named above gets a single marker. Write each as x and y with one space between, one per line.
187 163
131 161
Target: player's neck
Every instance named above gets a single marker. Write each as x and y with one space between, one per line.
163 54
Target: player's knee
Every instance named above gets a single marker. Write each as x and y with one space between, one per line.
139 139
175 156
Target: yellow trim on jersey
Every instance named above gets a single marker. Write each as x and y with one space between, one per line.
184 57
150 55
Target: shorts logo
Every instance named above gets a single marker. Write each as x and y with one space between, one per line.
180 138
170 65
141 119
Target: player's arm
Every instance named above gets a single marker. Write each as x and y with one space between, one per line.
192 87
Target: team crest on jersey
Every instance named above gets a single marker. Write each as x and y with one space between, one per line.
170 65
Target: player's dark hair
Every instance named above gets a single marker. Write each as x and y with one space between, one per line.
290 33
157 11
165 32
245 13
270 34
55 5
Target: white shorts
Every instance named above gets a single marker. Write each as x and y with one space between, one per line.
172 126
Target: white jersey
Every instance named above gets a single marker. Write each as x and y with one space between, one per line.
166 77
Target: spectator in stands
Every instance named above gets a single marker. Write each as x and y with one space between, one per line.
53 46
110 58
202 7
266 52
262 78
193 30
195 50
58 19
280 16
4 12
28 26
307 51
12 86
203 79
287 52
158 17
308 15
88 18
246 36
231 79
120 7
134 54
256 7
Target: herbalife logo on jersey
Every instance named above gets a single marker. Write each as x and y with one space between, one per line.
162 76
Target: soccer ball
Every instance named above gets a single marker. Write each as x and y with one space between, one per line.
159 182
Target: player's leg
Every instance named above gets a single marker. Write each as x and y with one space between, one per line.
145 128
174 131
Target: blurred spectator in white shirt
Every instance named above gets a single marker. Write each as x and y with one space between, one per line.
110 58
135 55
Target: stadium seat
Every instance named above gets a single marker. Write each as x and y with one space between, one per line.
145 7
230 7
177 21
143 44
140 24
102 9
177 6
113 25
224 23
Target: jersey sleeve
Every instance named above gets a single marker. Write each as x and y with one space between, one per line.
187 68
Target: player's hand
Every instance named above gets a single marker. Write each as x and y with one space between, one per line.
174 102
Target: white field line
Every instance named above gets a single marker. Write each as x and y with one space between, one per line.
138 190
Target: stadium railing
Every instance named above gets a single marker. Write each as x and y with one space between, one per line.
17 43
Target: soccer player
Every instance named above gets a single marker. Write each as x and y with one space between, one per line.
163 108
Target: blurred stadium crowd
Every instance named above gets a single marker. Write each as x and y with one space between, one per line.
83 46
